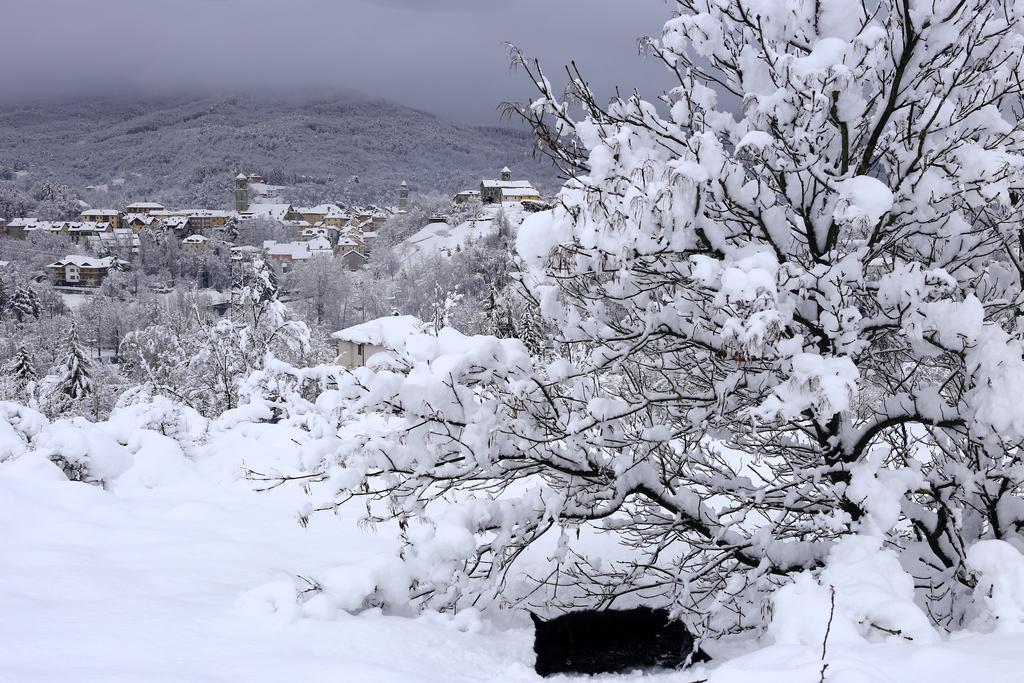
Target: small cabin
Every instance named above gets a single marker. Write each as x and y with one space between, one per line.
359 343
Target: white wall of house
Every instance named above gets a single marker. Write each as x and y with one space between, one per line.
72 273
353 355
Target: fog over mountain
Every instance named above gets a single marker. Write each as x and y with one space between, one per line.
444 56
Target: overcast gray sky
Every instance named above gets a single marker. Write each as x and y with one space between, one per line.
445 56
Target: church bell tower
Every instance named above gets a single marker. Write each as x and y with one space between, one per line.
241 193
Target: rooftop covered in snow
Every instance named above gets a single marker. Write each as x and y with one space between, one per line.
390 331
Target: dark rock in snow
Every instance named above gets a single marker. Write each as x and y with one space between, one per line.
611 641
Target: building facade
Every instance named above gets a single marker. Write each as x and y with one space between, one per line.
79 271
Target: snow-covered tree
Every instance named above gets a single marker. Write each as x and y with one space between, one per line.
18 377
24 303
203 362
531 330
21 367
787 307
72 378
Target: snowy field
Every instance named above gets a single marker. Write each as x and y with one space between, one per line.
179 571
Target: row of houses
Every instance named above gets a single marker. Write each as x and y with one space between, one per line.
149 216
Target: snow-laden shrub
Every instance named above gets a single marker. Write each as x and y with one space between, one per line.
999 568
862 594
83 452
18 426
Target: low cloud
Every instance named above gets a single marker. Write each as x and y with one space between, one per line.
445 56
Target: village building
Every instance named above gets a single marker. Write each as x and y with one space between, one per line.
179 225
246 254
79 231
144 208
320 213
79 271
111 216
3 226
271 212
18 228
337 217
507 190
359 343
312 233
139 221
286 254
241 193
120 242
201 220
195 242
403 197
466 196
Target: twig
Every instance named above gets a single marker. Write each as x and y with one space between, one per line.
828 630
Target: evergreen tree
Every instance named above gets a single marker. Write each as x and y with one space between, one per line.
3 299
500 317
24 303
21 368
74 374
531 330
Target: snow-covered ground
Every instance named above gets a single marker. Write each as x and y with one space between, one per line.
442 239
179 571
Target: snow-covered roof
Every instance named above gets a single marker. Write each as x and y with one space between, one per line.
100 212
298 251
83 262
506 170
519 192
324 209
389 332
175 221
116 235
202 213
504 184
81 227
241 176
272 211
144 205
195 239
319 244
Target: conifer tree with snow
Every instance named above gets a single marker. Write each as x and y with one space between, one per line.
21 368
24 303
73 376
531 330
786 303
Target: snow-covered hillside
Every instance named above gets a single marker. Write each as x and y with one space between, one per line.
176 570
439 238
184 151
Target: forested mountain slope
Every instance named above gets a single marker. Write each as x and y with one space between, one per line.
185 150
